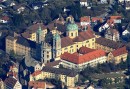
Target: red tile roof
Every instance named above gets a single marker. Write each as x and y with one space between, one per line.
85 19
78 59
37 84
115 17
84 50
6 18
119 51
66 41
36 73
85 35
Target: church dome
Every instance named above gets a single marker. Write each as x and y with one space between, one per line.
56 36
72 27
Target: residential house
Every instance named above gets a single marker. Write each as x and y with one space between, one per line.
38 5
2 7
127 5
112 34
84 21
84 3
103 1
80 61
19 8
126 31
118 55
9 3
110 23
67 76
4 19
12 83
107 45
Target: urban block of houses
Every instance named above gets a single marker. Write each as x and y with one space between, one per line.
67 76
111 21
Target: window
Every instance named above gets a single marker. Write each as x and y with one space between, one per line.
47 56
87 41
71 34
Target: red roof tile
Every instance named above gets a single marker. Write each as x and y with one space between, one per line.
119 51
85 19
66 41
78 59
36 73
84 50
5 18
37 84
115 17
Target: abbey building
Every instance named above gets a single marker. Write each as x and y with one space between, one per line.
47 43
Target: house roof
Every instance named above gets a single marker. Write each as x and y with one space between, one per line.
33 29
6 18
10 38
119 51
115 17
26 42
109 43
85 19
84 35
84 50
36 73
68 72
79 59
66 41
52 64
10 82
37 84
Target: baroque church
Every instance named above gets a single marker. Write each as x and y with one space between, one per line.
46 46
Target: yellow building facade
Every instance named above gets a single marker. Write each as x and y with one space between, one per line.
66 76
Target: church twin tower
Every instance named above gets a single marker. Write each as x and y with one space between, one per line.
46 51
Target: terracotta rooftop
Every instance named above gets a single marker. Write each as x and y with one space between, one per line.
37 84
84 50
6 18
82 58
109 43
115 17
36 73
66 41
84 35
119 51
85 19
67 72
